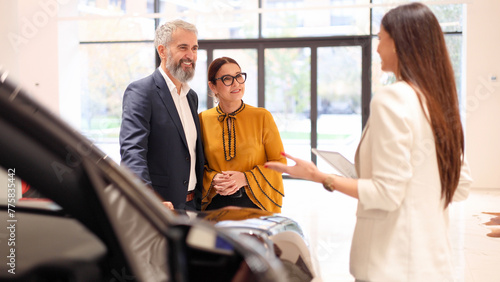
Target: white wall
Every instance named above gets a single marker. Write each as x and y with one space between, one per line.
29 47
483 94
36 59
8 24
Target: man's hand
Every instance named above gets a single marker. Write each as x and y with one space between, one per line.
169 205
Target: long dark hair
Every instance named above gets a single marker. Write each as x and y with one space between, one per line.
424 63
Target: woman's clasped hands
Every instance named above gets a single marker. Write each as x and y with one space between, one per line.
228 182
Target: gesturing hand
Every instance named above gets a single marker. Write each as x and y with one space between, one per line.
302 169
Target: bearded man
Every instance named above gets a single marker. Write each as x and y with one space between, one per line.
160 132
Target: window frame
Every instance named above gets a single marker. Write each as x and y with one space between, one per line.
260 44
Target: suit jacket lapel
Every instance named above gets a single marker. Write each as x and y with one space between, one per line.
193 105
356 158
168 102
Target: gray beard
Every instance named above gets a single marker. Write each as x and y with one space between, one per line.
177 71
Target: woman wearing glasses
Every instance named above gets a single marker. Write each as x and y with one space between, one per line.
238 139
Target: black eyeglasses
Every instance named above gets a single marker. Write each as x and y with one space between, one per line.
228 80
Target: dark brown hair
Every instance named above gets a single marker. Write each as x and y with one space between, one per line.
424 63
216 65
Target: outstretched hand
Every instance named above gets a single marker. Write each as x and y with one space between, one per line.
302 169
309 171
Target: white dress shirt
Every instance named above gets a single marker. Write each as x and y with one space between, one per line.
184 111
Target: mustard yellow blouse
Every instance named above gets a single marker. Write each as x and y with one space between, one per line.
257 140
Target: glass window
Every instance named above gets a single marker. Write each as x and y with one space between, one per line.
115 20
339 101
247 59
455 50
288 96
305 18
222 19
114 7
449 16
106 71
199 81
113 40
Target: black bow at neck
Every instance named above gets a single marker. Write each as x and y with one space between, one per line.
229 143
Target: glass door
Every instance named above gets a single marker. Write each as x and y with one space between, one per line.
339 122
288 96
314 90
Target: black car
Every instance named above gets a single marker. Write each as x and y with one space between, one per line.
98 222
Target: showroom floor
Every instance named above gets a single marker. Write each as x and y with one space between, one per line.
328 221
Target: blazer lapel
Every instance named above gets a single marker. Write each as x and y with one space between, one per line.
169 104
193 105
356 156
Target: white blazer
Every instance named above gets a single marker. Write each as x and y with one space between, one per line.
401 232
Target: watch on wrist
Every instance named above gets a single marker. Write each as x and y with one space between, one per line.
328 183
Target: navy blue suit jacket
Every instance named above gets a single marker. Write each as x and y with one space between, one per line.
153 143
